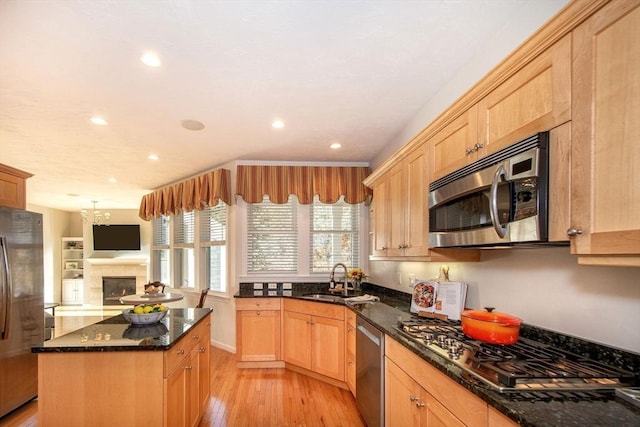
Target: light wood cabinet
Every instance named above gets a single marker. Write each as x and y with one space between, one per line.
159 388
535 99
454 146
400 214
187 383
350 367
314 337
418 394
258 337
408 404
13 187
605 137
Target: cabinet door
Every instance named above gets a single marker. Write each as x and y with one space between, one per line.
297 339
454 145
401 394
328 349
13 187
381 221
437 415
175 388
204 368
192 395
605 136
536 98
397 200
258 335
416 242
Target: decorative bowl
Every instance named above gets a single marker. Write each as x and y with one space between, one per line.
144 319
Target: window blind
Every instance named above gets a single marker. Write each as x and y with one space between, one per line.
334 235
272 237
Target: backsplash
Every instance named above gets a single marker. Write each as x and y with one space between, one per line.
545 287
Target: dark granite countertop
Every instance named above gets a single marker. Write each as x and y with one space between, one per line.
122 336
394 305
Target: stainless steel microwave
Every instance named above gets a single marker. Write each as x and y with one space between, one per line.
500 200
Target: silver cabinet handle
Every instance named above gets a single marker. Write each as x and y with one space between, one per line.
574 231
413 398
181 351
202 350
477 147
188 367
468 150
420 404
196 337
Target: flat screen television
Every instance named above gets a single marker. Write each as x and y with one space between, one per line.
116 237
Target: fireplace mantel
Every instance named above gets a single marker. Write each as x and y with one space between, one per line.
117 261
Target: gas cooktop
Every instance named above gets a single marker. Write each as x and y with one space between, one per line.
524 368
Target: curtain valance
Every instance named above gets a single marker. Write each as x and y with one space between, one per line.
195 193
278 182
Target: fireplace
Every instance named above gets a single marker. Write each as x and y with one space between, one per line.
115 287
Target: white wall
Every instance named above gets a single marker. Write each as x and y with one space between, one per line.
504 41
545 287
55 224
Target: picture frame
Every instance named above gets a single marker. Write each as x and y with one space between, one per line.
71 265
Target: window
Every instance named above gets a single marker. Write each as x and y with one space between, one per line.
213 243
302 240
272 234
334 235
189 250
160 249
184 260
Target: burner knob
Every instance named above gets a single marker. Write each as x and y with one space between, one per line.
454 353
428 336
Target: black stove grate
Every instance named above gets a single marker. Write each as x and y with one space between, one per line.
524 367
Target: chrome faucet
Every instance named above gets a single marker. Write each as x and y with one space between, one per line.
345 278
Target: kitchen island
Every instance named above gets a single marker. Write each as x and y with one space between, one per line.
113 373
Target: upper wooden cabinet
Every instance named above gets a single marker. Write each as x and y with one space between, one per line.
535 99
455 146
400 214
13 187
605 157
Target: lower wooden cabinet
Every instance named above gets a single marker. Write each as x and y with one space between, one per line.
258 337
418 394
350 368
408 404
186 383
314 337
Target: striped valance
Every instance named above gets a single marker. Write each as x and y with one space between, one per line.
278 182
195 193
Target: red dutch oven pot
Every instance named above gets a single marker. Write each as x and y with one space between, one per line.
491 327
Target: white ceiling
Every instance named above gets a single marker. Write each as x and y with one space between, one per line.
355 72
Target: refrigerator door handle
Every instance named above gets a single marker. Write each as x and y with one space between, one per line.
4 289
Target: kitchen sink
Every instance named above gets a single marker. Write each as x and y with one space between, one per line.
325 297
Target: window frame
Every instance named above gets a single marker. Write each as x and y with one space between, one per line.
304 241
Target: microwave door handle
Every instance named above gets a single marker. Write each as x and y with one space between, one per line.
4 288
493 207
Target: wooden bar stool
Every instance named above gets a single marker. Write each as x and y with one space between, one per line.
203 297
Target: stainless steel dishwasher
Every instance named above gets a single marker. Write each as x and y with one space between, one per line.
370 373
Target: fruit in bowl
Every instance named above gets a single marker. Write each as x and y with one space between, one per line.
145 314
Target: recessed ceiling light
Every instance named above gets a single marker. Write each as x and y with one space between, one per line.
113 180
192 124
335 146
150 59
277 124
98 121
153 157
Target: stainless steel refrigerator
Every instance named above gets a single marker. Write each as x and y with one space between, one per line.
21 305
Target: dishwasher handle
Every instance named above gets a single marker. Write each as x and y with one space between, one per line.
368 334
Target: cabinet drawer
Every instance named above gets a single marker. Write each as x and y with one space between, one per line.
319 309
174 356
258 303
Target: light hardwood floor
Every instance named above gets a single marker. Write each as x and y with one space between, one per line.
256 398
